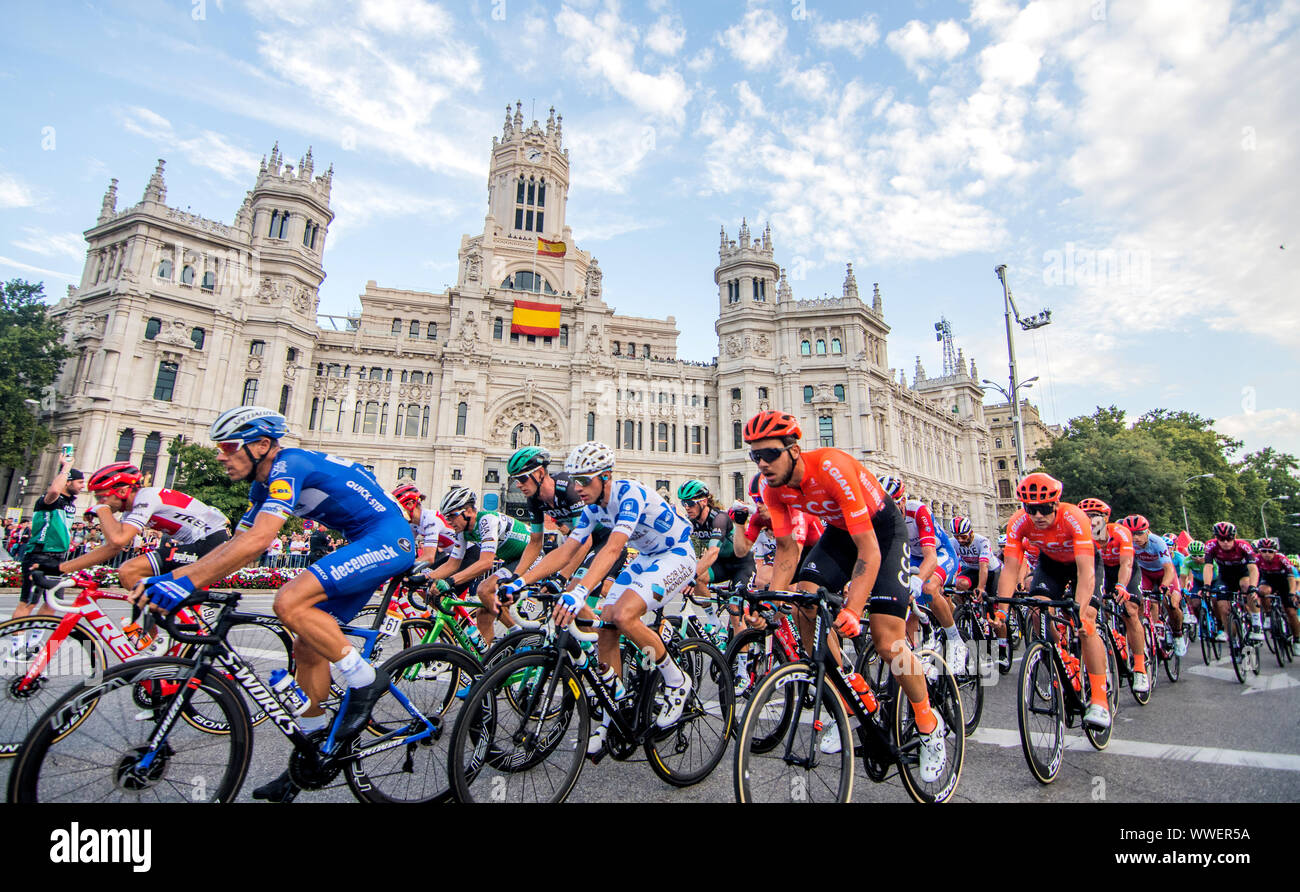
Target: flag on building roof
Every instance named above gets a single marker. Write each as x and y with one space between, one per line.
533 318
550 249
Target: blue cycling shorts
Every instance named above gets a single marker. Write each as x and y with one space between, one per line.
351 575
947 568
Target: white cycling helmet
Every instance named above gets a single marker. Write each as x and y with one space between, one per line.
1002 540
590 458
456 498
248 423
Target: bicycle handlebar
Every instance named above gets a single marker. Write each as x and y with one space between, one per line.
52 587
532 624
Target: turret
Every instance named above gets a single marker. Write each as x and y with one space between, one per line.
746 274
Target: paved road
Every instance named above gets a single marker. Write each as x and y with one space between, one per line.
1205 739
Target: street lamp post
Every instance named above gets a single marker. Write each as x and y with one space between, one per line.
1264 523
1014 400
1038 320
1187 526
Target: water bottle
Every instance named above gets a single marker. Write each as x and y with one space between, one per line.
138 637
289 693
475 637
859 684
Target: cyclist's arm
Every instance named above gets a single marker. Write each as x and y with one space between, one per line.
707 560
117 536
557 559
740 544
533 548
1170 579
476 569
787 562
984 575
603 562
1207 574
1125 571
446 568
1253 570
234 554
929 561
1010 576
1085 577
572 566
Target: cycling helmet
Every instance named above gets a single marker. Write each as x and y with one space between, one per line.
590 458
119 473
1094 506
1002 540
1196 548
456 498
1039 489
1136 523
1171 541
756 491
406 493
1268 543
1225 530
527 459
960 526
1294 559
893 486
248 423
766 425
692 490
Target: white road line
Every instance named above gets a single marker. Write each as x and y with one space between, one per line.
1172 752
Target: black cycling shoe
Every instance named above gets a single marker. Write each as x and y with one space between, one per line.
282 789
360 702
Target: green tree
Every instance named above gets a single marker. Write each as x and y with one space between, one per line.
30 357
200 475
1273 477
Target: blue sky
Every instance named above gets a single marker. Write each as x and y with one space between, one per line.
1132 163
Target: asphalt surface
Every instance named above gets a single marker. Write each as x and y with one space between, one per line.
1205 739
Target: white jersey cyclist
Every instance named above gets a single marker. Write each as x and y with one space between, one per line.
183 518
432 531
979 551
496 533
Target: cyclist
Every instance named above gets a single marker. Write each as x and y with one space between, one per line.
1276 577
933 557
432 534
1193 566
340 494
494 535
1115 541
664 565
805 527
978 569
1233 561
1151 554
863 551
50 537
713 533
1067 556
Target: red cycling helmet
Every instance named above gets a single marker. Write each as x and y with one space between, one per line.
406 493
766 425
1136 523
893 487
119 473
1094 506
1039 489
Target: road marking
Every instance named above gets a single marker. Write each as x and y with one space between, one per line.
1171 752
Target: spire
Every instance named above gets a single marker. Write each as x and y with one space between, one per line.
722 232
783 291
273 166
559 127
550 124
902 379
519 114
156 190
109 207
305 165
974 375
744 233
961 362
505 130
877 305
918 375
767 236
850 284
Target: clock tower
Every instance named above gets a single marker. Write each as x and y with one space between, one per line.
528 184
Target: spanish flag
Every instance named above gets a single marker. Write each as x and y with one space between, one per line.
550 249
533 318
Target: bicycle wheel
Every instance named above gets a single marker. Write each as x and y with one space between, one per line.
757 667
1173 662
1207 644
688 751
945 699
532 752
428 676
1100 738
1042 719
513 642
1153 654
1236 645
795 770
76 659
266 645
970 685
112 719
1277 633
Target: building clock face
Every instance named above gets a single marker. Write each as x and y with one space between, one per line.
534 155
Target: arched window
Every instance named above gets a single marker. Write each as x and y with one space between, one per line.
284 224
821 347
330 420
415 328
805 348
628 432
431 332
151 328
662 439
383 419
372 418
497 326
1002 464
616 349
826 430
591 425
401 414
418 378
275 224
839 392
377 374
250 392
404 376
807 393
397 327
198 337
526 280
149 461
388 375
165 270
462 416
209 280
315 406
762 393
412 421
524 435
356 418
631 350
256 348
737 439
997 443
125 443
564 335
284 400
835 346
334 370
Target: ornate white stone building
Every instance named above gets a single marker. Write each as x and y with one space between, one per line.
178 317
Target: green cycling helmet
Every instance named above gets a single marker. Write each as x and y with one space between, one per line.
692 490
1196 549
1294 559
527 459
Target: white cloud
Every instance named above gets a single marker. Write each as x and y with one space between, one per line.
404 17
918 45
14 193
603 227
812 83
359 202
701 61
604 46
609 151
756 40
749 100
52 244
25 267
205 149
1279 428
854 35
666 36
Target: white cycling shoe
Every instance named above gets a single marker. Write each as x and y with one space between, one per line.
1257 633
956 656
1097 717
830 742
673 702
1221 636
934 754
1141 683
1180 645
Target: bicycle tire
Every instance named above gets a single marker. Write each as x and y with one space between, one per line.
1206 644
945 699
19 710
971 684
1099 738
484 759
1277 632
757 671
513 642
704 729
1236 645
1043 745
113 733
773 779
429 675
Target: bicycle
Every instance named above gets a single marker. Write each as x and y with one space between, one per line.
785 720
174 728
1244 655
1113 625
1160 637
75 643
1207 628
1053 690
526 723
969 684
1277 630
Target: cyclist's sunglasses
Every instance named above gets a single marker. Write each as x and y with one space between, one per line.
1043 509
453 515
769 455
520 478
230 447
583 479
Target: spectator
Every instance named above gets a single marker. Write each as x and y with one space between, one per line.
298 550
50 537
319 545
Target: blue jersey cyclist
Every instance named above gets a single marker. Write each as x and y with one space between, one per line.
337 493
665 564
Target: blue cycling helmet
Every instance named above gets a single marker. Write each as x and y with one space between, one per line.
248 423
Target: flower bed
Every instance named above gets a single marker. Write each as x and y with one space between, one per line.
250 577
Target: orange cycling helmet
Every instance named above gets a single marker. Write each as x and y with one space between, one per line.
766 425
1039 489
119 473
1094 506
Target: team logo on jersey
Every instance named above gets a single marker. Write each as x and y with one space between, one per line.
281 490
404 544
279 467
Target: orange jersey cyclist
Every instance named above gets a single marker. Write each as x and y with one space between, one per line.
1115 541
863 552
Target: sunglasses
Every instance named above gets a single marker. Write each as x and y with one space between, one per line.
230 447
768 455
583 479
1043 509
519 479
453 515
